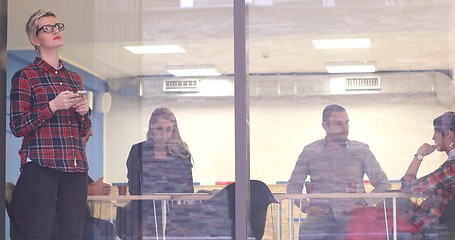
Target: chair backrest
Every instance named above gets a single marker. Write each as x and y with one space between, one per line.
216 217
449 218
9 188
260 198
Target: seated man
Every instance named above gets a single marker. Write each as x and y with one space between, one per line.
335 164
438 185
94 228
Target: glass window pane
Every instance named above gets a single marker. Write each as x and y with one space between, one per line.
388 63
125 87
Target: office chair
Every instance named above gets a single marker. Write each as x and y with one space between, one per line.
14 234
215 218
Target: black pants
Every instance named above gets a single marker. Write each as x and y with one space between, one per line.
48 190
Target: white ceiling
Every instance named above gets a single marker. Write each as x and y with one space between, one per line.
406 35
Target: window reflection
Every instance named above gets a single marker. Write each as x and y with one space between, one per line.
410 45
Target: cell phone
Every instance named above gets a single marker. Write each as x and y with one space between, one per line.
82 93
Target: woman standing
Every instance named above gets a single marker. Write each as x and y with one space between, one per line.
51 116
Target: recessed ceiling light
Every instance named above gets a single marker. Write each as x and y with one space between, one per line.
328 3
193 71
263 2
351 68
186 3
155 49
342 43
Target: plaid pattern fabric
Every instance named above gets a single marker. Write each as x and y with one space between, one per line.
50 139
439 187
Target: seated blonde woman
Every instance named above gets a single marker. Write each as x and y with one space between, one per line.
160 164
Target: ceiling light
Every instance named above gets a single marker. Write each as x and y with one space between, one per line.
350 67
155 49
263 2
192 71
342 43
186 3
328 3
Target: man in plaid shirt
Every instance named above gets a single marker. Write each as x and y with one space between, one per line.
438 185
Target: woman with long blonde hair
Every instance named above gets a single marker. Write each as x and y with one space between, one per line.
167 137
163 162
160 164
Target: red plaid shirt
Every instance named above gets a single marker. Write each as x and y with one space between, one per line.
51 139
440 188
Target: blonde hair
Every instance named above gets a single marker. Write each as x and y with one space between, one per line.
175 146
31 27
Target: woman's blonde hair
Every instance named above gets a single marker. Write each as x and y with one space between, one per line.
31 27
175 146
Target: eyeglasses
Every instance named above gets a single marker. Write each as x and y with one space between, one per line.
50 28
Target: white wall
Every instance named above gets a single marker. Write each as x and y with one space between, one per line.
394 125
